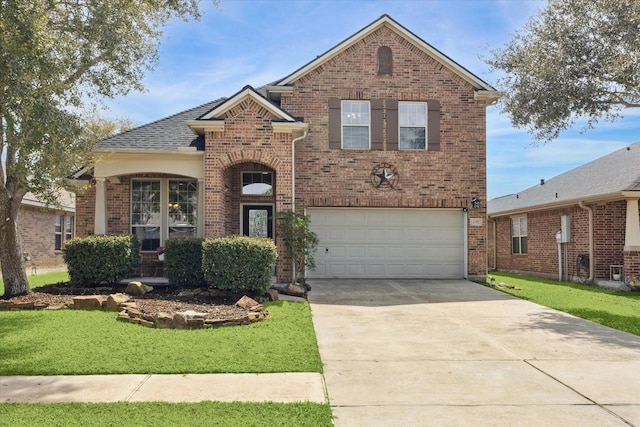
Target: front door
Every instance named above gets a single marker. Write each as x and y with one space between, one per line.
257 220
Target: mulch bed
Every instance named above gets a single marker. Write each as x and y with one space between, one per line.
160 300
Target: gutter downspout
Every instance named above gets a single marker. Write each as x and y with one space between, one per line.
293 168
293 186
590 210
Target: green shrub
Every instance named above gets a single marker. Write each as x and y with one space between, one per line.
239 263
96 259
183 262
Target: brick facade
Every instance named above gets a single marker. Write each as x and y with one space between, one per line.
245 133
36 227
446 178
609 219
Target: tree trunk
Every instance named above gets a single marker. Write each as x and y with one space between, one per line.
14 275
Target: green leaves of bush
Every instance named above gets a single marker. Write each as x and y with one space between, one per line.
96 259
183 262
239 263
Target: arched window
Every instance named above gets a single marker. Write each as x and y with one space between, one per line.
385 61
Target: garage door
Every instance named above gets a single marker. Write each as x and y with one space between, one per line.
388 243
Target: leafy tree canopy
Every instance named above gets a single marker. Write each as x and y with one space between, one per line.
575 60
57 59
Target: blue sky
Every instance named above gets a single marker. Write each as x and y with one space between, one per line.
256 42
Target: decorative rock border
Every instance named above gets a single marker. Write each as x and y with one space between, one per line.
128 311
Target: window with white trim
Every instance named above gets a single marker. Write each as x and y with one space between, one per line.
58 233
356 125
412 120
163 208
519 235
68 228
146 216
257 183
183 208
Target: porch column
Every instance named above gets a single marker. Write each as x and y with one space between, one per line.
100 226
200 218
632 231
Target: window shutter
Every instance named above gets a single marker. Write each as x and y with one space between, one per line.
392 124
335 123
433 125
376 124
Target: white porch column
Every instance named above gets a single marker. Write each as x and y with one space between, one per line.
632 231
100 219
201 205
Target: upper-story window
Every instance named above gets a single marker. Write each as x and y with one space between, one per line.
412 119
384 124
385 61
257 183
355 124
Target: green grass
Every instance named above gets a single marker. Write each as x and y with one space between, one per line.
166 414
618 310
58 342
42 279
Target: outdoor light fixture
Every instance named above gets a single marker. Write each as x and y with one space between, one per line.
475 203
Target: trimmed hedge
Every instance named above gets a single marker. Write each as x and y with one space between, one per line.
183 262
239 263
96 259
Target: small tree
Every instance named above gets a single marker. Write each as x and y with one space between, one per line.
299 241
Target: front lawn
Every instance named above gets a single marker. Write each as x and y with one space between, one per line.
42 279
618 310
74 342
167 414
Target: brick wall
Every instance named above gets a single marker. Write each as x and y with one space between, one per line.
37 235
542 257
446 178
248 143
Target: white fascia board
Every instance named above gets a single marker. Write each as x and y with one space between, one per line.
386 20
284 127
241 96
601 198
199 127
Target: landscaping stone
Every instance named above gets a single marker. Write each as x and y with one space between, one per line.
190 293
164 321
247 302
137 289
114 300
294 290
88 301
272 295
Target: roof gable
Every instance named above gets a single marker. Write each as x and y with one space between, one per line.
483 89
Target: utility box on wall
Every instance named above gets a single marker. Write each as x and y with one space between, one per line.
565 229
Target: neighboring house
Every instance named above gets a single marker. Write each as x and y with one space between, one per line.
381 140
44 229
593 211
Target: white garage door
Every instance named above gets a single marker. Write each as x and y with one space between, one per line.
388 243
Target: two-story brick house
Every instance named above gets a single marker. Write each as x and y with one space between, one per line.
381 140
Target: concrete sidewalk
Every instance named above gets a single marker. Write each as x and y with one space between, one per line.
285 387
455 353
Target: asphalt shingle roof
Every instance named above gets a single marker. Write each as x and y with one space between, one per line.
169 133
607 175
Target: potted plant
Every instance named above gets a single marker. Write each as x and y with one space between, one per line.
160 251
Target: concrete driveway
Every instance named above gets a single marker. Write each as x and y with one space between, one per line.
455 353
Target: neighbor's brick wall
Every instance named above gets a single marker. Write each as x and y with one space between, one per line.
448 178
37 235
542 256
